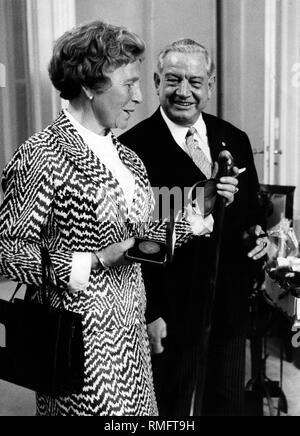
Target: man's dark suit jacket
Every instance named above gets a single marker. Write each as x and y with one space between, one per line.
177 293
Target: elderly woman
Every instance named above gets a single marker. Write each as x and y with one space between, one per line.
93 196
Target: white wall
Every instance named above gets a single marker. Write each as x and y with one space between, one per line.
158 22
243 70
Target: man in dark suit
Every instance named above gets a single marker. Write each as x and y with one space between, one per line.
176 295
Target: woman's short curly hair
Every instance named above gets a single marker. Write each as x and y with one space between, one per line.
84 55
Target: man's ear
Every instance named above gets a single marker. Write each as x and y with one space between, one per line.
211 84
157 82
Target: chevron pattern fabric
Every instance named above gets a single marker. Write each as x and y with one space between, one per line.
196 153
117 378
54 179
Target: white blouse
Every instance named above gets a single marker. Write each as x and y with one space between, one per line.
104 148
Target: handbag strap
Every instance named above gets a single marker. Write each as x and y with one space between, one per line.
19 285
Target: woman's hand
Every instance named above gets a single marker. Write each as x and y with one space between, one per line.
113 255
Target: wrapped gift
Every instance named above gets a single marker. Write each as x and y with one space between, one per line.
282 284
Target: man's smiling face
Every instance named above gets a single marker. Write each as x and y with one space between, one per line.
184 87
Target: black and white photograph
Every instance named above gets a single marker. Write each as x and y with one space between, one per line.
149 210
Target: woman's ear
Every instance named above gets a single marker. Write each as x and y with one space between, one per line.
87 92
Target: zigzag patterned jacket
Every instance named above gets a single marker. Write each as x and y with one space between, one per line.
54 179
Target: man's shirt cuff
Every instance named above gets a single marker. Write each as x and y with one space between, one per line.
199 225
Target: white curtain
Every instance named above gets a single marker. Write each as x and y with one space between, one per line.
289 101
46 21
28 101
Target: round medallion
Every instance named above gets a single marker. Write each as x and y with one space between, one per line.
149 247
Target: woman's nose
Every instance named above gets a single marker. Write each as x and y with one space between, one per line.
137 96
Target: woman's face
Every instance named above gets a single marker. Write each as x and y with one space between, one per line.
112 108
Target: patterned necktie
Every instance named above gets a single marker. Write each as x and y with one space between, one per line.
197 154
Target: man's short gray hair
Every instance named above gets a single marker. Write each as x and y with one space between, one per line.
186 45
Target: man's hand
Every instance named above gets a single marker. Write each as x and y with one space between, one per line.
157 330
227 186
262 242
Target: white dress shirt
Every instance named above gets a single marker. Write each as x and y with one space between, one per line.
179 133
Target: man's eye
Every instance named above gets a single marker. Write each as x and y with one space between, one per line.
196 84
172 81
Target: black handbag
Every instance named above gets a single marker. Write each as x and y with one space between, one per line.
43 344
